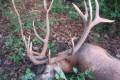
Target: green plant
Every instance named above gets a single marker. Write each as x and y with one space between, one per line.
114 11
72 14
36 41
76 75
59 75
89 74
29 75
58 7
17 57
4 6
52 47
28 19
118 33
13 42
14 45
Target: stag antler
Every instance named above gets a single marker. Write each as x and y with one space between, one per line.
88 24
36 57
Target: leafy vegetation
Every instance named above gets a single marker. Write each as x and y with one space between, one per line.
14 44
52 47
76 75
60 75
72 14
29 75
110 8
60 7
57 7
17 57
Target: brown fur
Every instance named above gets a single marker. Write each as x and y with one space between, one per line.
104 66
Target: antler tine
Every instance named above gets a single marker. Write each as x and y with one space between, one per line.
45 41
98 19
33 58
36 32
89 24
45 46
83 16
50 6
90 5
30 54
86 10
19 19
45 4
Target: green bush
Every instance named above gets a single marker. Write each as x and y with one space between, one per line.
76 75
29 75
17 57
72 14
57 7
110 8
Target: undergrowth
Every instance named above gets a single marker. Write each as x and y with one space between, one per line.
28 75
75 75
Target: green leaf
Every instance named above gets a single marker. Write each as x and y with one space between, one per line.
57 76
72 14
29 75
75 70
82 76
90 74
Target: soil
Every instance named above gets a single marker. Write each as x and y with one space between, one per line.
61 34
